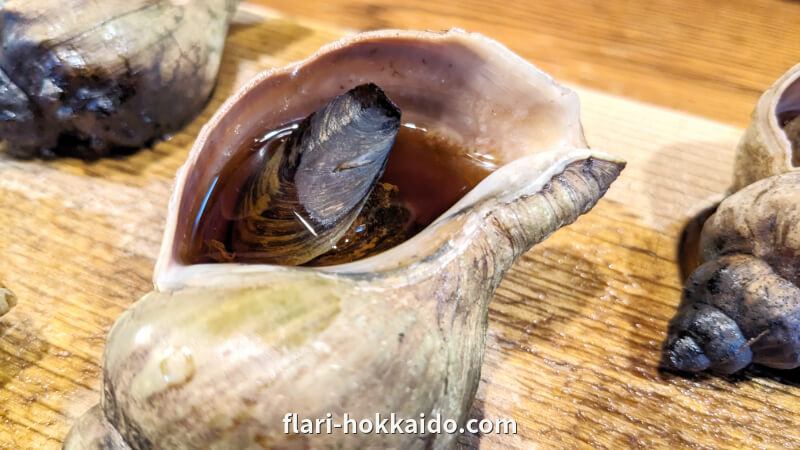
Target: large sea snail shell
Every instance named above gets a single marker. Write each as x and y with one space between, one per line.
84 78
766 148
220 353
7 299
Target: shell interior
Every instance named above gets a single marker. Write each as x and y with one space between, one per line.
464 88
788 107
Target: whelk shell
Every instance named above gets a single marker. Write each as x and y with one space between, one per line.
400 332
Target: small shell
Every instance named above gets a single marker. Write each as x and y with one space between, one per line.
7 299
765 149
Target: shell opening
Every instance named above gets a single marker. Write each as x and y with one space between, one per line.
464 90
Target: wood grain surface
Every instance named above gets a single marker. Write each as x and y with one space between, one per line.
712 58
575 328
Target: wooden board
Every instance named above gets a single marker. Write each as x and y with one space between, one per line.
575 328
704 57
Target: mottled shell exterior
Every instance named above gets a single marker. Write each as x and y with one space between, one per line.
764 150
742 304
220 353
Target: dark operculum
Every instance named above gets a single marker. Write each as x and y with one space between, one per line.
314 185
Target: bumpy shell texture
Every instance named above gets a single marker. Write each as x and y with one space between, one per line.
742 304
220 353
771 144
86 78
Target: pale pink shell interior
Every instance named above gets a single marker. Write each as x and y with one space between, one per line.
461 86
788 106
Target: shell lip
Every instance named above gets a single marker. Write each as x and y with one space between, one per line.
171 274
775 107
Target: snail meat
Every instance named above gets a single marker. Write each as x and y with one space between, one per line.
423 177
315 184
383 223
88 77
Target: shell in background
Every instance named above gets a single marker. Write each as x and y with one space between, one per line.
88 77
7 299
765 150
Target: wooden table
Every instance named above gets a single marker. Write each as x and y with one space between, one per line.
704 57
575 328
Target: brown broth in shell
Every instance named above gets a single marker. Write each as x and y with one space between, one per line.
430 175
